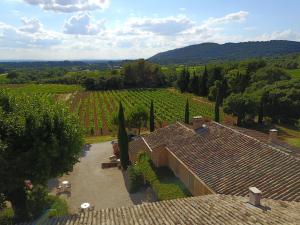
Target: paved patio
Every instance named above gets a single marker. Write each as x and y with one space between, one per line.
103 188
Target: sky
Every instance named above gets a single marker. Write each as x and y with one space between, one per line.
130 29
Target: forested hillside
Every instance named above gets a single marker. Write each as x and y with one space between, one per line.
205 52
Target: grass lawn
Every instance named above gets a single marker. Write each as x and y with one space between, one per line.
98 139
295 73
166 176
289 134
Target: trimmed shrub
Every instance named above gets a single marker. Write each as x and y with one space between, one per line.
58 207
163 191
6 216
135 179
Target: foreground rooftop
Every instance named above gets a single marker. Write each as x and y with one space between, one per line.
209 209
229 161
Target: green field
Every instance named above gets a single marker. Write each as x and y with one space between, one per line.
3 79
40 88
95 109
294 73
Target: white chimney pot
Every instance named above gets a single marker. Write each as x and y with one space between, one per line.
198 122
255 196
273 133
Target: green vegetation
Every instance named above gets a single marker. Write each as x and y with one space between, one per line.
39 140
135 177
187 112
137 117
3 79
151 117
295 73
162 180
41 88
123 138
98 110
6 216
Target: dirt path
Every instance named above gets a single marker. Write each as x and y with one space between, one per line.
104 188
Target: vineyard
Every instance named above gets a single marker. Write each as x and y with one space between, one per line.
95 109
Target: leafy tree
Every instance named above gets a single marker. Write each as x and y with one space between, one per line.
282 101
194 84
183 80
270 75
237 81
217 73
253 65
123 139
240 105
137 117
39 140
204 83
187 112
151 116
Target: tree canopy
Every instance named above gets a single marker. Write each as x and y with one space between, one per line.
39 140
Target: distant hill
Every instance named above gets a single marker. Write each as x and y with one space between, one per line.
206 52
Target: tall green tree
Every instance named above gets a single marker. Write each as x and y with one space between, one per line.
194 84
184 80
123 139
218 99
137 117
39 139
240 105
187 112
204 83
151 125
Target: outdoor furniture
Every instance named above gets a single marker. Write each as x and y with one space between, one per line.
112 158
64 187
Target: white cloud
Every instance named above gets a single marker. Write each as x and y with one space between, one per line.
160 26
135 37
279 35
30 35
232 17
83 24
31 25
68 6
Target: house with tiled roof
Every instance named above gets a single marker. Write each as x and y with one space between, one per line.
200 210
211 158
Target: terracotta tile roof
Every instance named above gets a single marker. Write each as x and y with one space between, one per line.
265 138
205 210
229 161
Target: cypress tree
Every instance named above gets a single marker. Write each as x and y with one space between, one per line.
151 117
203 83
217 104
123 139
187 112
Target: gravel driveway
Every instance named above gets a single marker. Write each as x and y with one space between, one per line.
103 188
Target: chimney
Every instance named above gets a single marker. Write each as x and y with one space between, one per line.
198 122
273 133
255 196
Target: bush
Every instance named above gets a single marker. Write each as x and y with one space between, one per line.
37 201
58 207
135 179
6 216
163 191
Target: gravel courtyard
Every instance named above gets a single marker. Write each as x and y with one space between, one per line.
103 188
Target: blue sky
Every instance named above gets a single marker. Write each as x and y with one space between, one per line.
118 29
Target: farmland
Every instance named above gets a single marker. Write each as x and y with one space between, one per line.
96 109
295 73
